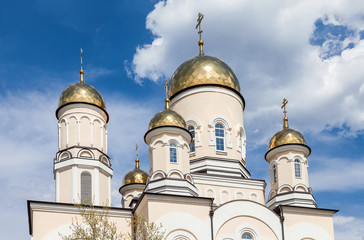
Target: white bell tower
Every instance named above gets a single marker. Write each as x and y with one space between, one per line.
82 169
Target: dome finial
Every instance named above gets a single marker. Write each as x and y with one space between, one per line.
167 97
136 159
200 43
285 119
81 71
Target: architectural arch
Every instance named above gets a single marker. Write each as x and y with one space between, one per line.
285 186
85 153
239 195
234 210
300 185
175 172
64 155
157 175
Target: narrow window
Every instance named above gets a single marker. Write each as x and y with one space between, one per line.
220 137
274 174
86 188
297 168
247 236
192 144
172 153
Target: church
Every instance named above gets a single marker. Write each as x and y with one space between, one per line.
197 185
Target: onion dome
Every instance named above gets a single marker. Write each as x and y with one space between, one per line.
81 93
167 118
136 175
203 70
286 136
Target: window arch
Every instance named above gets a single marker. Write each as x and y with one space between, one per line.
191 129
297 168
247 236
86 188
274 173
172 153
220 137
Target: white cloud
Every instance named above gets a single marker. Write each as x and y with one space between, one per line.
348 227
267 45
337 175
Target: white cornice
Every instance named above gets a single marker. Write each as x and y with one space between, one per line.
174 130
60 208
231 182
285 148
202 88
83 162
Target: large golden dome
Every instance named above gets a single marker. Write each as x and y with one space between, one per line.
203 70
286 136
81 93
136 175
167 118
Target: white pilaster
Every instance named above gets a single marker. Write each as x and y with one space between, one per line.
109 189
74 185
96 186
57 186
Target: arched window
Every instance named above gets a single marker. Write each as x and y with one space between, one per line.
172 153
297 168
86 188
274 174
192 144
220 137
247 236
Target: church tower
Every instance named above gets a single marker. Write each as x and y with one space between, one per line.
287 157
82 169
168 140
206 92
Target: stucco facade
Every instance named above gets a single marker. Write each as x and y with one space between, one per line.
197 185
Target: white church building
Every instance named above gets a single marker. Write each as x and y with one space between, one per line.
197 185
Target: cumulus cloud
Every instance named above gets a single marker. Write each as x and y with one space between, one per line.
348 175
348 227
268 46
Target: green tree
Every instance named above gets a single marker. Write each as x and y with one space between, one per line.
95 225
144 231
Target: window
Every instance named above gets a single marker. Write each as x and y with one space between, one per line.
274 174
297 168
192 144
172 153
220 137
86 188
247 236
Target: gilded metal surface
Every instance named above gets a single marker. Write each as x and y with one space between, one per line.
202 70
135 176
167 118
286 136
81 92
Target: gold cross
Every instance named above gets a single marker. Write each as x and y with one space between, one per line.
284 103
81 58
136 150
166 87
199 19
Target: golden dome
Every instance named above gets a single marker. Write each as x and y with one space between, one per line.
81 93
203 70
135 176
167 118
286 136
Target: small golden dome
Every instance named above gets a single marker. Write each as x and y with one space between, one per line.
286 136
167 118
136 175
81 93
203 70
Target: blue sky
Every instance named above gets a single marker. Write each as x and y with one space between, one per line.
310 52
